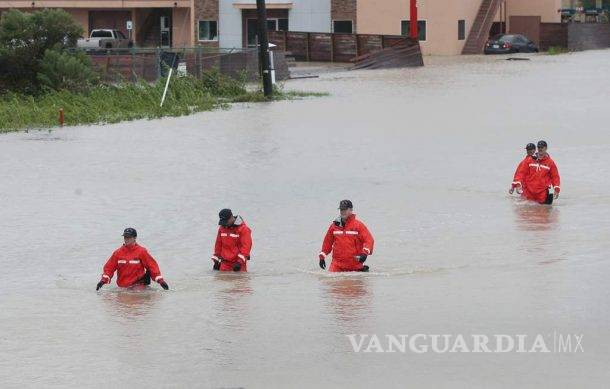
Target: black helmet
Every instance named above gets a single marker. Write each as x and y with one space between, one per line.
130 232
530 146
345 204
542 143
224 215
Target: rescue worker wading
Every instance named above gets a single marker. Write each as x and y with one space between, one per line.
133 264
349 240
530 149
539 178
233 243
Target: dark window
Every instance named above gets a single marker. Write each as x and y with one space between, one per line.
282 24
272 24
101 34
405 28
252 30
461 30
342 26
208 30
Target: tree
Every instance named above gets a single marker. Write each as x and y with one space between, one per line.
24 40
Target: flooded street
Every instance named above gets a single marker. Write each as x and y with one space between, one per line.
426 155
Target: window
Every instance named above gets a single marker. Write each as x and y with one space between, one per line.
342 26
282 24
208 30
461 30
405 28
101 34
272 24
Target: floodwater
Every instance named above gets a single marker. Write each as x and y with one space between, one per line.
426 155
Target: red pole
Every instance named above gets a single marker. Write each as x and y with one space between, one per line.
413 17
61 117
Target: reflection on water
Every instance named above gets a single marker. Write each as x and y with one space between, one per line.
131 303
349 297
536 217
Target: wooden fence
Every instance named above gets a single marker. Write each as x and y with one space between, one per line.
330 47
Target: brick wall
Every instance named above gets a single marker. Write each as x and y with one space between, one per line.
553 35
588 36
205 10
344 10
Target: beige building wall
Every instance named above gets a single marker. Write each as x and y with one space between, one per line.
548 10
441 16
181 28
81 16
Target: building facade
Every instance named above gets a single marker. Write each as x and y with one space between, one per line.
444 25
187 23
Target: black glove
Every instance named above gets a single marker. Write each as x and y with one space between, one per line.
99 285
361 258
164 285
216 265
364 268
322 264
237 267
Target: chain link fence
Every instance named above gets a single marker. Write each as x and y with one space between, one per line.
150 64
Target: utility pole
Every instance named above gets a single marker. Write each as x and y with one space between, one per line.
263 42
414 33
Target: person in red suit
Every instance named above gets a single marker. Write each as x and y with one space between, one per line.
233 243
539 179
133 265
349 241
530 155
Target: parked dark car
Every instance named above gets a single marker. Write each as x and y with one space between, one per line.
510 43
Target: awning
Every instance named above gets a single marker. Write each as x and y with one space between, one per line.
251 4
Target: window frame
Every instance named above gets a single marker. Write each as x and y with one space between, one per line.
199 30
461 22
342 20
424 21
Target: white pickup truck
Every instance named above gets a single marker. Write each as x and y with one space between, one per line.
104 39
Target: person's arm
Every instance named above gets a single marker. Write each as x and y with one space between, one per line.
555 179
327 244
520 174
245 243
153 268
217 248
367 239
516 182
108 272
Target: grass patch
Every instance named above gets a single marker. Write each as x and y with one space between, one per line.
556 50
115 103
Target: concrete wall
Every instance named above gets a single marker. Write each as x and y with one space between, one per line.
229 25
304 15
310 16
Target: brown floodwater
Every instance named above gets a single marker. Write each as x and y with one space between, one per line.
426 155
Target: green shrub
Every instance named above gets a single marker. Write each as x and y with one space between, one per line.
555 50
63 70
24 40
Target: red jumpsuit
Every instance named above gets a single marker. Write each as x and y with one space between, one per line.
537 176
131 264
233 245
345 242
525 162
